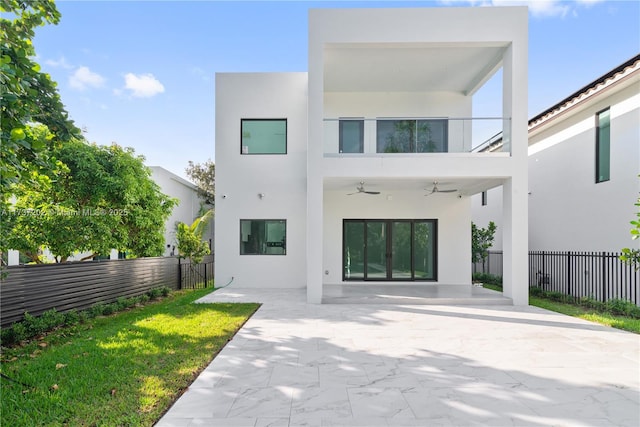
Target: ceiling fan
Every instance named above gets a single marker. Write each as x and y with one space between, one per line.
360 189
435 189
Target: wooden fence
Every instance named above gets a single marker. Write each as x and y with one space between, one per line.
79 285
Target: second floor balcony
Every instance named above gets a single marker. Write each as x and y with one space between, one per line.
353 136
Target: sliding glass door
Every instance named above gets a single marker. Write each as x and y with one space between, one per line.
389 249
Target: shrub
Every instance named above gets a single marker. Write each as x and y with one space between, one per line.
536 292
108 309
96 310
154 293
34 325
51 319
71 317
623 307
165 291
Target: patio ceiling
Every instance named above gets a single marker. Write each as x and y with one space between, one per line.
382 67
465 186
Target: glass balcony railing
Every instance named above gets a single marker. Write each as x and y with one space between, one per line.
391 135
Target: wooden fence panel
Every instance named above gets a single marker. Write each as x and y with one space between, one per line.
38 288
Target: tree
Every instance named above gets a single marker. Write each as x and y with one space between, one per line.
189 237
27 97
632 256
204 176
97 198
481 241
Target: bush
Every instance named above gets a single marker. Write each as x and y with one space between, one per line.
154 293
71 317
536 292
32 326
623 307
490 279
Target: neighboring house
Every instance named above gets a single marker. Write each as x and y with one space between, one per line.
384 111
584 161
189 207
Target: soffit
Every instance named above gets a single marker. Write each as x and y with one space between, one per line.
376 67
386 186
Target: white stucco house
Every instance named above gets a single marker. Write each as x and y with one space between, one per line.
362 170
189 206
584 161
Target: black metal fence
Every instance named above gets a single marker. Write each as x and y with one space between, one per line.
79 285
196 276
598 275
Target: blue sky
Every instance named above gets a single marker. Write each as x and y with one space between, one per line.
142 73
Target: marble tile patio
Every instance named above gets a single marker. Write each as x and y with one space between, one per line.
376 365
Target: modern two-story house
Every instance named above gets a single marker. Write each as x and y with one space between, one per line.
362 169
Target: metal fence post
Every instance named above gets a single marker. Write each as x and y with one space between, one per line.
179 274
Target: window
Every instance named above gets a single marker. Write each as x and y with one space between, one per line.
351 136
412 136
391 250
263 136
263 237
603 146
484 198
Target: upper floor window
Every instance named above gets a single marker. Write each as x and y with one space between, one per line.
351 135
603 146
412 136
263 136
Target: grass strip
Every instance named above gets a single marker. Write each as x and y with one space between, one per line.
607 319
615 321
125 369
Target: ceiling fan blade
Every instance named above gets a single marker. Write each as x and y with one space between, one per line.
351 194
372 192
447 191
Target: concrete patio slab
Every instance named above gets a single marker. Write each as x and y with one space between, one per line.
375 365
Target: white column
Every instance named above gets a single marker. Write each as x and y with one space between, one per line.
315 156
515 190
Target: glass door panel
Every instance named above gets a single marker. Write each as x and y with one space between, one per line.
376 250
353 250
424 250
401 250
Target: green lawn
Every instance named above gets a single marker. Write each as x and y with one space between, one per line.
616 321
607 319
124 369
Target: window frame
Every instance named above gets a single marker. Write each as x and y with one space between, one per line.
265 220
415 143
598 143
388 243
272 119
343 120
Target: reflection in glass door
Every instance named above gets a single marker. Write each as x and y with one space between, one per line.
376 246
390 249
401 250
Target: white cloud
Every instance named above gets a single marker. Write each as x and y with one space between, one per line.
538 8
59 63
84 78
143 85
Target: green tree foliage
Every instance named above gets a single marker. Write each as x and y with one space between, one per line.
27 97
189 237
481 241
204 176
97 198
629 255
